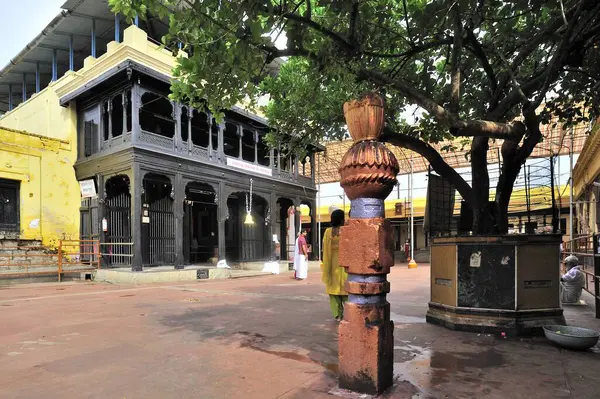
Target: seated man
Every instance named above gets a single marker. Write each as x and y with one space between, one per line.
572 282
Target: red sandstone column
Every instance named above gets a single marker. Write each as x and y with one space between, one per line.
368 171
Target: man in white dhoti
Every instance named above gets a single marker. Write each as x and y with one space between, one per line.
301 257
296 259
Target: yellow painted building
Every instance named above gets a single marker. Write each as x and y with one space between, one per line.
37 177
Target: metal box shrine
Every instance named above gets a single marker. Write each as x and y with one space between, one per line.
172 184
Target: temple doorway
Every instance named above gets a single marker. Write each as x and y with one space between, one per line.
247 242
158 221
117 211
200 224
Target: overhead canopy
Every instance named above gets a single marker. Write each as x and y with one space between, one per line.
73 25
555 142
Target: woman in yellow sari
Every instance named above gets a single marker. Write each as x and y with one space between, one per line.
334 276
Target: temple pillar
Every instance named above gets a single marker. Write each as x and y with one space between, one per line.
368 174
136 103
136 217
222 215
176 114
256 139
240 133
178 198
209 121
220 150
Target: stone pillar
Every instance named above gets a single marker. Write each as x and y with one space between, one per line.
125 103
176 114
313 167
178 198
256 139
136 104
368 172
240 133
222 214
136 217
220 145
279 159
101 214
209 120
190 143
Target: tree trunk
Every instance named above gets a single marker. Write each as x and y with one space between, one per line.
482 214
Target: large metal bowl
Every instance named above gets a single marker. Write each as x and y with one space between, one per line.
572 337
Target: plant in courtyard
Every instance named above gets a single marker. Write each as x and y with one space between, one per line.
477 70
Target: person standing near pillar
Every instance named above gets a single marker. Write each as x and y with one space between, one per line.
334 276
301 257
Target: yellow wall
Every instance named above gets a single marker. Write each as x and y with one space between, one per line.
49 192
587 168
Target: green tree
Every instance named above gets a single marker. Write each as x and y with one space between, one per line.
479 70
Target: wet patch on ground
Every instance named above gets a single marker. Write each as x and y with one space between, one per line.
427 368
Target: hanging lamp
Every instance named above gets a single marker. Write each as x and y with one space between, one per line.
249 220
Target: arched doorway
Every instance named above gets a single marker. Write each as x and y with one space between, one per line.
247 242
158 221
117 211
200 224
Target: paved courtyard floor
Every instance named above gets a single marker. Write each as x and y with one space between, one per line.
263 337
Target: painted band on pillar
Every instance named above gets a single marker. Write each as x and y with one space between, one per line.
361 278
367 208
367 299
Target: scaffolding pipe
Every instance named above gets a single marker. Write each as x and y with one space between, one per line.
412 220
571 186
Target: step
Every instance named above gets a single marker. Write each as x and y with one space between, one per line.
248 273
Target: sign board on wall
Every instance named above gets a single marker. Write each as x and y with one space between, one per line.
87 188
249 167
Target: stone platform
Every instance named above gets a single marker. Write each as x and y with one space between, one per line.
160 274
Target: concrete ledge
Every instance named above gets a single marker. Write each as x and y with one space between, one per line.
159 275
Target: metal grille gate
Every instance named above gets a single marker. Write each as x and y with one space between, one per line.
89 227
118 237
162 232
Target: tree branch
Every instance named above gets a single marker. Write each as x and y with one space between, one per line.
534 136
559 56
320 28
413 51
353 21
308 13
530 46
460 128
477 50
455 63
406 19
433 157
